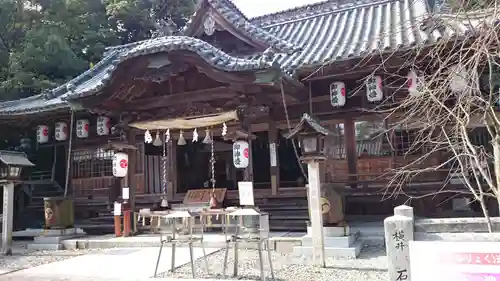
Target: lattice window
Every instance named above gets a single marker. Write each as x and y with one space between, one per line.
92 163
404 142
334 146
371 138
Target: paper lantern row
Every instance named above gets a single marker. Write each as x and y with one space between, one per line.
374 89
82 129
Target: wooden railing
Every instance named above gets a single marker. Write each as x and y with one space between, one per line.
380 168
97 187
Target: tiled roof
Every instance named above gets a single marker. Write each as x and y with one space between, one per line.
235 17
34 104
329 31
96 78
317 34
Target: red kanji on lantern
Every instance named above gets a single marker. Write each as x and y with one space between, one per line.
245 152
123 163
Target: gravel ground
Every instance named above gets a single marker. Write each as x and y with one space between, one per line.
23 258
370 265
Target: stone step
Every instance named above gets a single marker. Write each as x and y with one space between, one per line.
52 247
52 239
332 242
331 252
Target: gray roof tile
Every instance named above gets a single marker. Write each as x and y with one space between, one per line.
34 104
330 32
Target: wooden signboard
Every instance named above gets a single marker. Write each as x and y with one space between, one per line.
200 196
467 261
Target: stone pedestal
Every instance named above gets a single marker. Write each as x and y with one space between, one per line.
339 242
52 239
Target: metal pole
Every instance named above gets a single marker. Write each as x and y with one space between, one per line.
261 262
70 145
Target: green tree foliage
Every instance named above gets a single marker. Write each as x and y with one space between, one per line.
46 42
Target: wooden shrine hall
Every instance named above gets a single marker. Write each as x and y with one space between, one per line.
225 77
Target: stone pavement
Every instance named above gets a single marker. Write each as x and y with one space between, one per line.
42 278
112 264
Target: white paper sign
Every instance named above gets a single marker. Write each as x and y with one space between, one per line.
245 190
433 261
272 154
125 193
117 211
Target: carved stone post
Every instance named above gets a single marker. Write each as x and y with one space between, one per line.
398 233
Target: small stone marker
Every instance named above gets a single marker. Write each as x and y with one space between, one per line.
398 233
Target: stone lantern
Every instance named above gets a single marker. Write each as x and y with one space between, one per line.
11 165
311 134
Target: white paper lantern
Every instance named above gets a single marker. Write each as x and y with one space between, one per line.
42 134
374 90
103 125
120 164
82 128
241 154
338 94
413 83
61 131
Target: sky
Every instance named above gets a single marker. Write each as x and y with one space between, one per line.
255 8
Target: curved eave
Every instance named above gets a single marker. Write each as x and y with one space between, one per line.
234 17
32 105
99 76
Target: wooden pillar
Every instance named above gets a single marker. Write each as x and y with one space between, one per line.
131 175
274 159
351 149
248 173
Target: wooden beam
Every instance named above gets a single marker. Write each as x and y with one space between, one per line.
186 97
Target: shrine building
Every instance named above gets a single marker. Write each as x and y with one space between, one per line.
176 104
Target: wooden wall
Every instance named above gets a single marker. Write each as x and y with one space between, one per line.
92 174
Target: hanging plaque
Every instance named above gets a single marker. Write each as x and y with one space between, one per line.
241 153
272 153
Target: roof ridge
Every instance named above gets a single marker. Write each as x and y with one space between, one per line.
311 10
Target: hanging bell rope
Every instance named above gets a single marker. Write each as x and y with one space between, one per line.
164 201
213 199
212 162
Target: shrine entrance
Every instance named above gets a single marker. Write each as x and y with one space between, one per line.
193 171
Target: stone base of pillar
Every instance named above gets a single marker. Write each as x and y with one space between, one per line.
339 241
